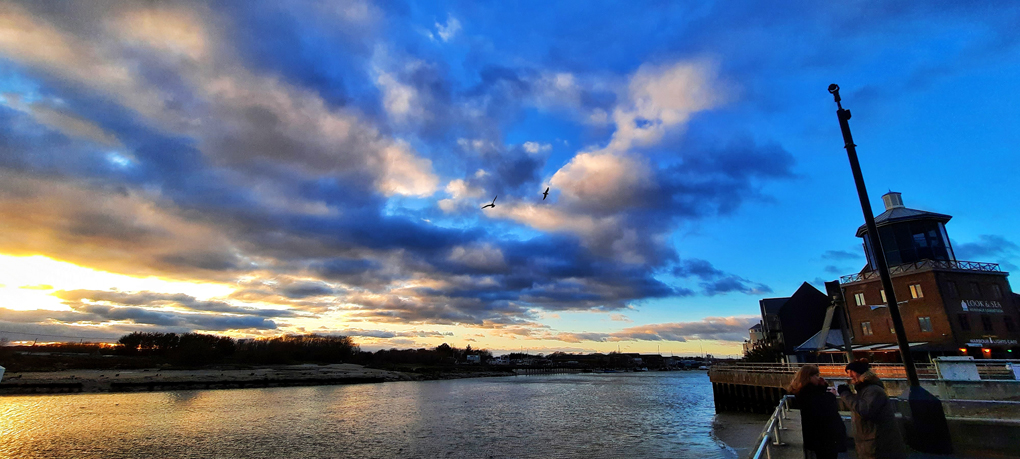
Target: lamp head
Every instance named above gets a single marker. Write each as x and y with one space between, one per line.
834 90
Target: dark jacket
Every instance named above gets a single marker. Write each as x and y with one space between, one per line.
819 418
876 432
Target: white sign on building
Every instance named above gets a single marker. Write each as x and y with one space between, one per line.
988 307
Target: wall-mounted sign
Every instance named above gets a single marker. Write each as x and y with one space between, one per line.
987 307
979 341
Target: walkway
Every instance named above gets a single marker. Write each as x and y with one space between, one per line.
793 447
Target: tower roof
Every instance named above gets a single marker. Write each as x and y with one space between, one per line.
895 212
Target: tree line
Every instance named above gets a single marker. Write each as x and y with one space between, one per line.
201 349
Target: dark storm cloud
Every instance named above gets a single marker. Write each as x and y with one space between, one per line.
714 281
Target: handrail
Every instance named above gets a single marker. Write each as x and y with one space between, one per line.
771 434
954 265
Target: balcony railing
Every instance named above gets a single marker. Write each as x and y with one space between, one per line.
925 265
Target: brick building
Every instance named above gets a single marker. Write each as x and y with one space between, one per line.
948 306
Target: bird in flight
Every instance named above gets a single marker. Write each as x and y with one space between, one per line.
493 204
545 194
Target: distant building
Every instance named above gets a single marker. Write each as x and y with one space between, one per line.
473 358
790 321
755 337
947 306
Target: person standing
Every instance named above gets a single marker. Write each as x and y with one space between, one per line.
876 433
824 433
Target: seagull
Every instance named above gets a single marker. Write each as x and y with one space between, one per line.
493 204
545 194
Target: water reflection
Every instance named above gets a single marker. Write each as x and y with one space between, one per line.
644 415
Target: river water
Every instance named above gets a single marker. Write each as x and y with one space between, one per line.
639 415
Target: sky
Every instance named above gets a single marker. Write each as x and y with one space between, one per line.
252 169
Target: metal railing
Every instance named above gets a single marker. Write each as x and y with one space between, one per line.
990 370
772 434
922 265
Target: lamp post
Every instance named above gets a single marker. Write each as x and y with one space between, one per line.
927 430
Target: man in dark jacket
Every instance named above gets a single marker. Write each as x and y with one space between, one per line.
876 433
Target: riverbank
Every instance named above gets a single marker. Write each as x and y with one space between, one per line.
141 380
739 431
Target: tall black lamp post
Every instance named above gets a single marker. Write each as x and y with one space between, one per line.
927 430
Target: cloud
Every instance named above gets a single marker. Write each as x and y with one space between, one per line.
710 328
60 120
177 301
661 98
841 255
716 282
989 247
307 289
100 320
205 322
605 183
243 118
108 228
535 147
174 141
449 30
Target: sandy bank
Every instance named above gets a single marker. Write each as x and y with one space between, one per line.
160 379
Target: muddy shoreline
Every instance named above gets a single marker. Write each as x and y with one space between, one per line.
148 380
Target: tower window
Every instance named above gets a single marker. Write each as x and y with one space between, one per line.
883 296
915 291
951 290
859 298
925 323
892 330
975 289
964 322
986 322
866 328
1010 325
996 291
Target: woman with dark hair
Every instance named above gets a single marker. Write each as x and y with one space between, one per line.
824 433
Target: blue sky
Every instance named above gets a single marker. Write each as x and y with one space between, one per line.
257 169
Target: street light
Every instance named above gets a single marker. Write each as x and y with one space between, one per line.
927 430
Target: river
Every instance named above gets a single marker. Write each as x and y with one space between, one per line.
639 415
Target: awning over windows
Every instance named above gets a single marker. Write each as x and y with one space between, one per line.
884 347
835 339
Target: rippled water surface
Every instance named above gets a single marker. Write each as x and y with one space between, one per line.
640 415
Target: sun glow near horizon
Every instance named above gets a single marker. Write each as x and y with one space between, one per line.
29 281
